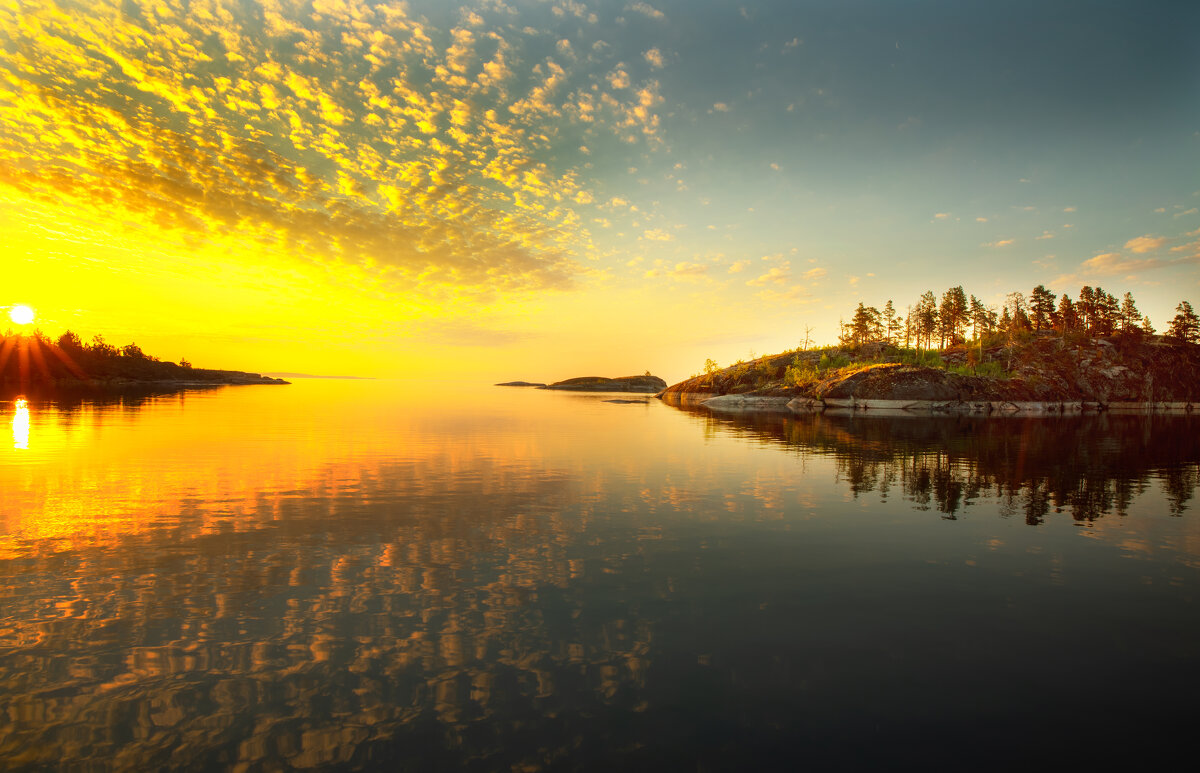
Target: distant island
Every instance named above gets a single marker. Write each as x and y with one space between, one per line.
1038 356
644 384
35 365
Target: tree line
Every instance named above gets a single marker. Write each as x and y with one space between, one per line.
929 324
37 357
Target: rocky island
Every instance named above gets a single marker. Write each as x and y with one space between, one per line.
646 384
1041 355
36 366
1043 375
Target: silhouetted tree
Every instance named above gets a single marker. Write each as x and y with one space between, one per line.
1185 327
1041 306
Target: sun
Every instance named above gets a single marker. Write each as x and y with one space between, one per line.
21 315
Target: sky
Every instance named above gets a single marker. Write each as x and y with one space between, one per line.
554 188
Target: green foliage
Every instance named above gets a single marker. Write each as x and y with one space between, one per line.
928 358
831 363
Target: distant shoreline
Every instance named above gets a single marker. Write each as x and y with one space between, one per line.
79 388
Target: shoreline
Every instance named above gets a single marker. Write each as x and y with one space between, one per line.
802 405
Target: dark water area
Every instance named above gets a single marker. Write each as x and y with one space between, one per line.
367 575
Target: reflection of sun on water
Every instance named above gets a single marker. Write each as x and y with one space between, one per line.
20 425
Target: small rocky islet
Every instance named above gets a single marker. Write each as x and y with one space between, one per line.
644 384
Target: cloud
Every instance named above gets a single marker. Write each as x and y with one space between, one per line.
776 275
999 243
658 235
1113 263
738 266
1068 209
1143 244
1046 235
941 215
363 140
981 220
720 107
814 273
1191 211
654 57
647 10
689 270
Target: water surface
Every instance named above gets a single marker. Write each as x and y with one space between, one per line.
353 574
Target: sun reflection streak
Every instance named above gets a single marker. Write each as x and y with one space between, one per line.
20 425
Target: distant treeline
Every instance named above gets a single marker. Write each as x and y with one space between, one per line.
38 358
928 323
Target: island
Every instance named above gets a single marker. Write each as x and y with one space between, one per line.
36 366
521 384
646 384
1045 374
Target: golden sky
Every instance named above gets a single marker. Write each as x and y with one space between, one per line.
548 189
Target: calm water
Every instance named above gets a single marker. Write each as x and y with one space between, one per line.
377 575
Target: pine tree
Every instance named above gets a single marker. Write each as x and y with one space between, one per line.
1130 317
953 315
926 318
1041 306
1185 327
891 323
1086 308
1068 315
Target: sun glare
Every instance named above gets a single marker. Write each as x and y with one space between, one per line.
21 315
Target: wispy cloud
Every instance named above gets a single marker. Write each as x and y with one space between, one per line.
1143 244
648 10
780 274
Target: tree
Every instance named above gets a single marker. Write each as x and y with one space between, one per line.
1018 317
1041 307
1067 315
1086 308
1185 327
953 315
865 326
70 342
1130 317
1106 312
1147 328
891 323
100 348
926 318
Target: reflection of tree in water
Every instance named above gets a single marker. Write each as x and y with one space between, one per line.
1089 466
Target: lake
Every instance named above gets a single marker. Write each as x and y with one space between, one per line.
376 574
